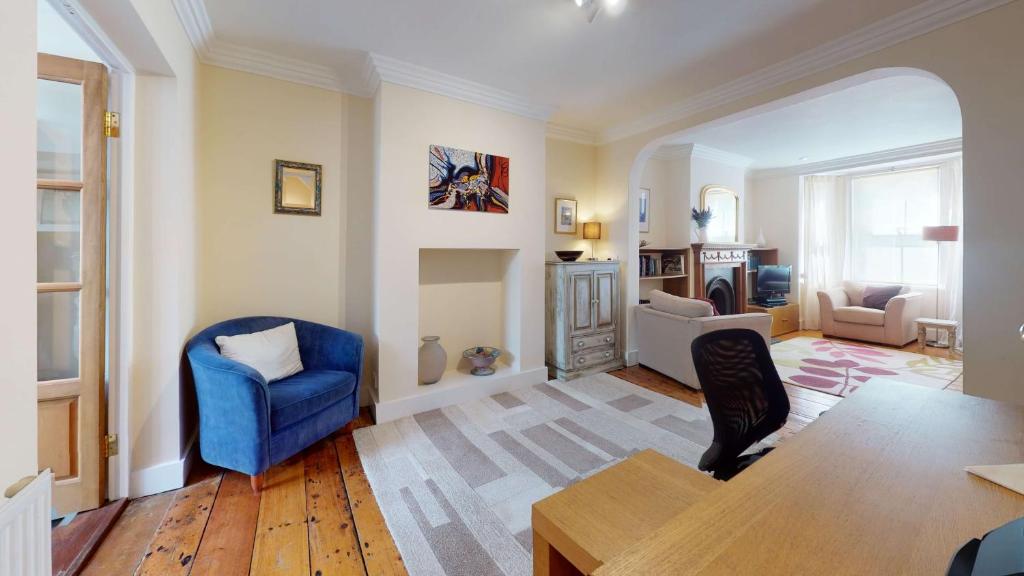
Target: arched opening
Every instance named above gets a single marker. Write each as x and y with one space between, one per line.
894 119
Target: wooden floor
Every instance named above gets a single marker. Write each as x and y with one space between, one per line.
316 515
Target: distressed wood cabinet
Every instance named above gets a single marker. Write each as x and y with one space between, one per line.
582 320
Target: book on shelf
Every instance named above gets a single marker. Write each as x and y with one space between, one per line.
650 265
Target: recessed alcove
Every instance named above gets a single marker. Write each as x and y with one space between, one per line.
465 298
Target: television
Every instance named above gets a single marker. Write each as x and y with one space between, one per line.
773 282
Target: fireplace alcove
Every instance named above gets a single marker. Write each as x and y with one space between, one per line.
719 274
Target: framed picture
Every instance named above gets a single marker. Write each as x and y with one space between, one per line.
297 188
470 181
565 216
645 210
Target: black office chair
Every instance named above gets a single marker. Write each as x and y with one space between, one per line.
744 395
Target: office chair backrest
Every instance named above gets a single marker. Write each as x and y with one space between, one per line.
743 391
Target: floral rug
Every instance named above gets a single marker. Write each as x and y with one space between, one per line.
838 368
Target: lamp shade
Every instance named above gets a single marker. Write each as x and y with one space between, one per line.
941 233
591 230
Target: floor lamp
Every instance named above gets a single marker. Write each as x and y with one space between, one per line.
939 234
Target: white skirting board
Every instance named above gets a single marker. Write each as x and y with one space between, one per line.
25 530
456 388
632 357
166 476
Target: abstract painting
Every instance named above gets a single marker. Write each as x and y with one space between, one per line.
464 180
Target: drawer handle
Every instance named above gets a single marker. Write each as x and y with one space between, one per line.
581 360
579 344
607 338
607 354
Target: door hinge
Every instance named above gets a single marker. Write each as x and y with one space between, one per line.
110 445
111 124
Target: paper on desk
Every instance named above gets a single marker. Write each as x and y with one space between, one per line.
1009 476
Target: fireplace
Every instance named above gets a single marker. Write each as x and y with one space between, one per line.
719 274
720 291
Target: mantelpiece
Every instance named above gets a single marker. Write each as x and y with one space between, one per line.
727 261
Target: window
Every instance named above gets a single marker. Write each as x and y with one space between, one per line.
888 212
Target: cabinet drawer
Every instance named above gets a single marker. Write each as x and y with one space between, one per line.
586 342
593 357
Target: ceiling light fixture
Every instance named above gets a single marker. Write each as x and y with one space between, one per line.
592 7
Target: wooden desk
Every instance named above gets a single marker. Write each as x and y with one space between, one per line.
874 486
581 527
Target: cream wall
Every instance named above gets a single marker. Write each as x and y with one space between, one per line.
657 177
978 57
569 174
773 206
408 121
706 172
18 236
163 231
253 261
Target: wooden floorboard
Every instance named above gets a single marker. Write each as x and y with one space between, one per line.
177 539
282 542
333 543
73 544
226 547
380 553
123 548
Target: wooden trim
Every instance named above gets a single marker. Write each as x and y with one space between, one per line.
62 69
45 287
68 185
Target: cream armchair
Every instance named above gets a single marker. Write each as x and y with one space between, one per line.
664 338
843 316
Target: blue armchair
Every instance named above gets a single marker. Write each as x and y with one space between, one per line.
248 425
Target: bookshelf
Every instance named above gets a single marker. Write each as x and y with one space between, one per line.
668 267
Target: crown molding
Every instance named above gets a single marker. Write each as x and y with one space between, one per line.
920 19
396 71
917 151
570 134
700 151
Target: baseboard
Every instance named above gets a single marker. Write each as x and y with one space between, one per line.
446 396
169 475
632 357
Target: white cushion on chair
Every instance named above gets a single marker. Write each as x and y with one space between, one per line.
273 353
687 307
859 315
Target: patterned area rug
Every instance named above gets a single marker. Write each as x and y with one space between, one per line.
838 368
456 485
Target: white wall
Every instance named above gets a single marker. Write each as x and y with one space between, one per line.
18 236
657 178
253 261
706 172
569 174
408 122
773 206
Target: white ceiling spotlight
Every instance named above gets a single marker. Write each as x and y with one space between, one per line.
592 7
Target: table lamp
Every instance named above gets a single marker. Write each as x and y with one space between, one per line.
592 231
939 234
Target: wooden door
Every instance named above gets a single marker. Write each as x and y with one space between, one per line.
605 308
581 307
70 276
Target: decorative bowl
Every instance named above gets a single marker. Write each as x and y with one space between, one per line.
482 357
568 255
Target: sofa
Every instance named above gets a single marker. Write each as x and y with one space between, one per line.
248 425
664 334
843 316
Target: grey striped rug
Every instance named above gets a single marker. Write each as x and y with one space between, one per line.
456 484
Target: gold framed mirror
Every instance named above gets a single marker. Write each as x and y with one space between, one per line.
297 188
725 212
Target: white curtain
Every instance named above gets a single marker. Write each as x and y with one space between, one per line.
951 254
824 249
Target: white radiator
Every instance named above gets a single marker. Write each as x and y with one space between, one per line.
25 530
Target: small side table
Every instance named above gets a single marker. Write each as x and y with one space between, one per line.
923 324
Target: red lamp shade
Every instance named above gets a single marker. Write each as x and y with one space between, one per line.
941 233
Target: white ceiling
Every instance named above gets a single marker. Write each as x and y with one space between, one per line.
878 115
615 70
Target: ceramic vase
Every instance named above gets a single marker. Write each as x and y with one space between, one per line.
433 360
702 235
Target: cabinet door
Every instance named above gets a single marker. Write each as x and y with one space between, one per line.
605 308
581 303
